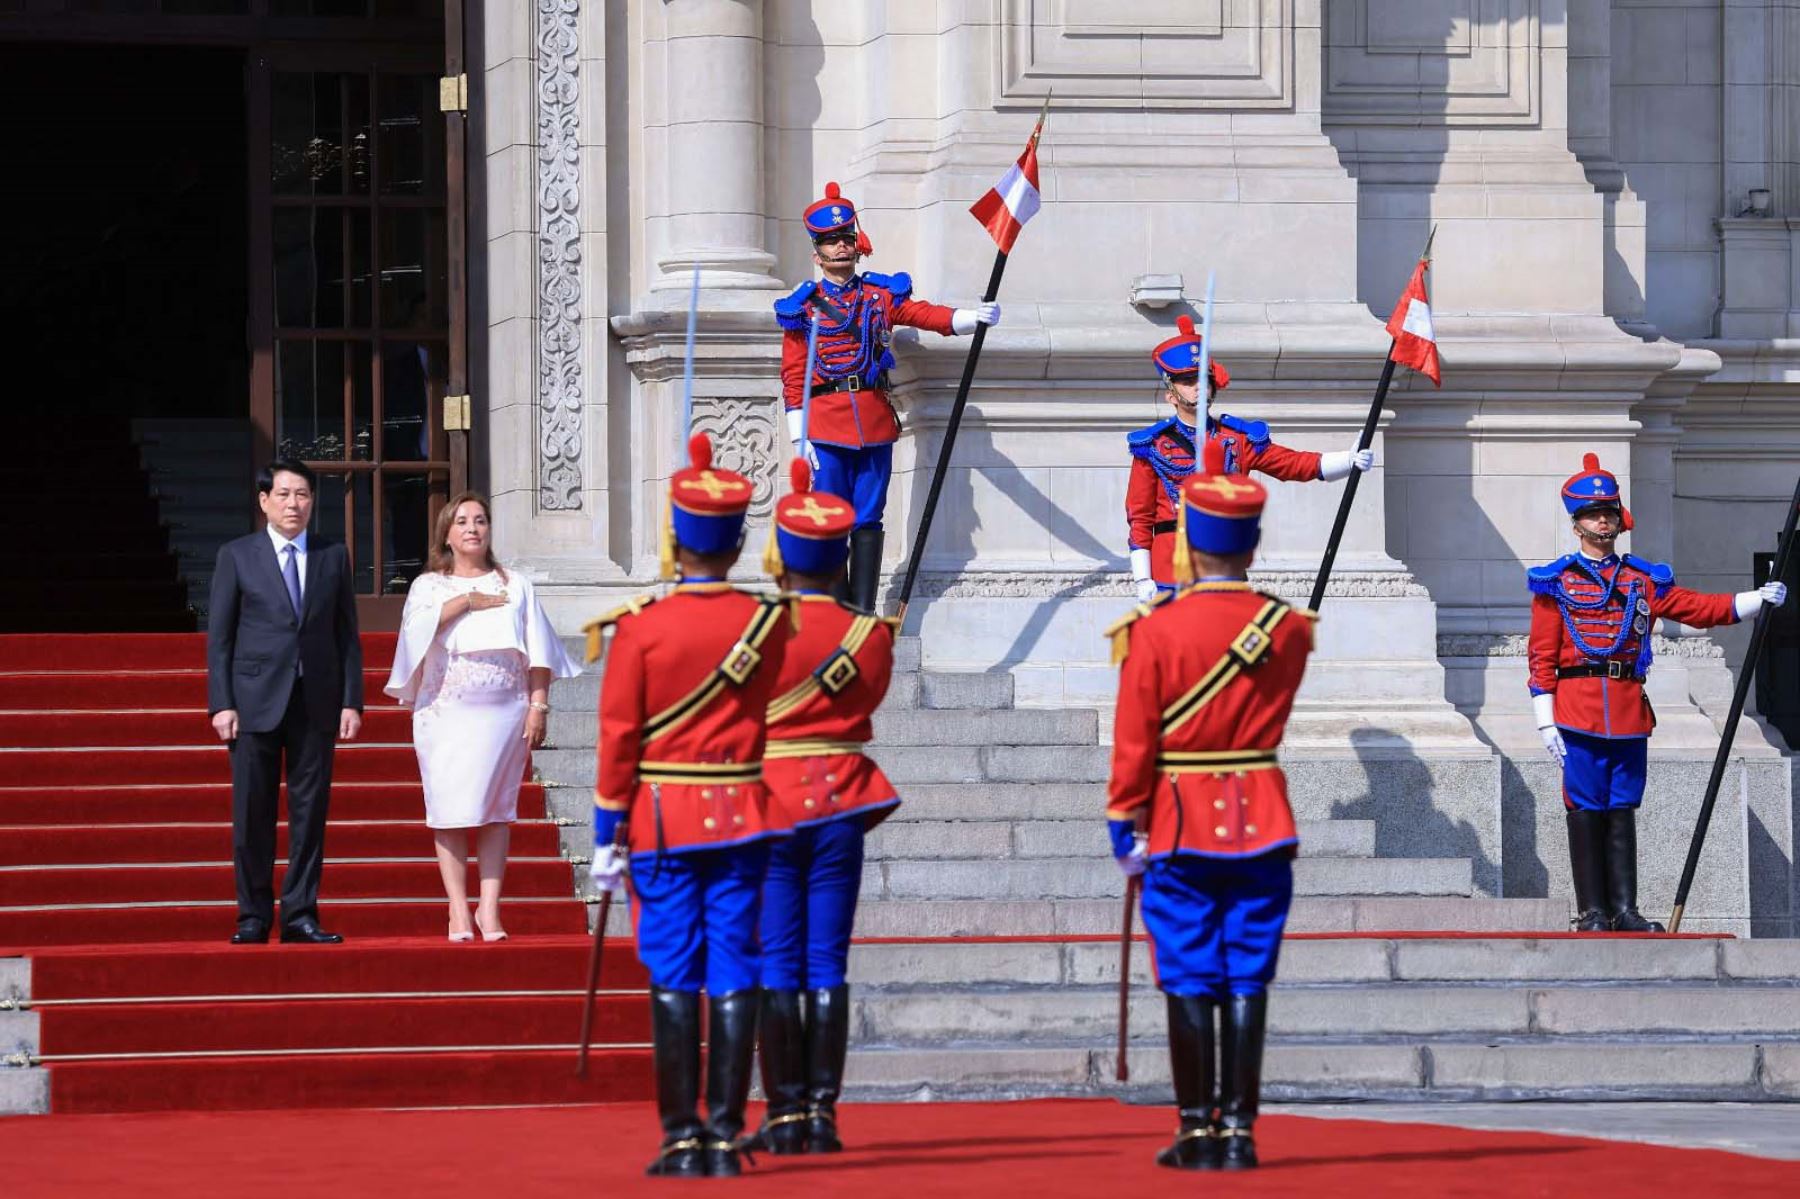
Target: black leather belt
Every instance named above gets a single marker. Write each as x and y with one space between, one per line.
1163 526
1612 668
852 383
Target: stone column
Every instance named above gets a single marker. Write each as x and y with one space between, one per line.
711 96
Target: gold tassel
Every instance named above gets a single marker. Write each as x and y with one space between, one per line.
666 549
772 563
595 629
1184 562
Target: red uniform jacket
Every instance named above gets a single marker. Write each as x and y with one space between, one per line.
672 666
853 344
833 678
1585 613
1195 736
1162 456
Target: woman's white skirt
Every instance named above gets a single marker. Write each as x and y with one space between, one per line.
469 731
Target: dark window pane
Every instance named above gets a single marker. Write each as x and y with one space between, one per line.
412 136
321 8
410 8
411 374
356 106
309 267
207 7
307 141
362 400
413 275
362 271
344 512
406 529
309 399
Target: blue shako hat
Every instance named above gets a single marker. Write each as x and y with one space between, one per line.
1593 487
1221 514
829 215
812 529
706 506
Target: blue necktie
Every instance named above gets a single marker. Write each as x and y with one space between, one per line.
290 574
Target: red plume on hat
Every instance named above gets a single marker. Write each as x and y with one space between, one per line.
1212 457
700 452
799 476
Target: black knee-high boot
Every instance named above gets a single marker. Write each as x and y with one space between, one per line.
783 1051
1621 873
1587 866
675 1039
865 568
827 1043
730 1048
1196 1146
1243 1021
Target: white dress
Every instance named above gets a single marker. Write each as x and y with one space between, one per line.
467 686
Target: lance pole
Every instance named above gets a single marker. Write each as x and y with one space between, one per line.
1362 443
1758 635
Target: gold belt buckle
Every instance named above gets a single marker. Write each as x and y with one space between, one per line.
741 664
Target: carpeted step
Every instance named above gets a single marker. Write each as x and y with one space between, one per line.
34 691
200 803
138 923
364 964
444 1079
408 878
316 1022
119 844
112 652
387 725
354 763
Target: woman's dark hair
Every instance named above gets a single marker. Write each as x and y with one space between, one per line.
443 559
265 479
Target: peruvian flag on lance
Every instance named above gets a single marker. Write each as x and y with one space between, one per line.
1415 341
1014 200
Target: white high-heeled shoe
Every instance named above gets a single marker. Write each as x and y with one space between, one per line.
486 935
460 938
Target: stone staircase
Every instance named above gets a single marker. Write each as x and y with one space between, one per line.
1001 832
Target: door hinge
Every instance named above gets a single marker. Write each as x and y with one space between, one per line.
456 414
453 93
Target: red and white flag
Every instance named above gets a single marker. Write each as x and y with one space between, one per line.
1014 200
1415 341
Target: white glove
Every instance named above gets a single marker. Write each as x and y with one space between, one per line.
608 870
802 446
1339 463
1133 863
965 319
1544 708
1140 571
1746 603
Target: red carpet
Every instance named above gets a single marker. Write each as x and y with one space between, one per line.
911 1151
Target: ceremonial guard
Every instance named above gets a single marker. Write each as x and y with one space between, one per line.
682 706
834 677
1198 805
847 430
1163 455
1591 617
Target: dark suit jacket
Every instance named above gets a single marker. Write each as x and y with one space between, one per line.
253 639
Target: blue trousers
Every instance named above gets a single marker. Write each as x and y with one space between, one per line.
1216 923
1601 773
809 905
696 916
860 476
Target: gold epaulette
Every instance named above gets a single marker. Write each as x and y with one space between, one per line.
597 627
1119 631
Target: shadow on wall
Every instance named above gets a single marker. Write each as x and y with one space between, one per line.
1397 790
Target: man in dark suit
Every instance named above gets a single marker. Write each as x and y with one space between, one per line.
284 679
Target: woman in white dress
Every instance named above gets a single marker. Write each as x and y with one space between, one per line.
474 661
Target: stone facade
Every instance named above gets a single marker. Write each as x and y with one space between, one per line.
1614 270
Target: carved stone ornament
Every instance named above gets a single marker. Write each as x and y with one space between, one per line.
1292 585
559 255
746 438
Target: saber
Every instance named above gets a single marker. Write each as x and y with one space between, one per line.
594 956
812 351
687 369
1203 380
1132 886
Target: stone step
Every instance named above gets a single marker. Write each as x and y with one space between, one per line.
924 728
1322 1070
907 765
947 840
1517 1014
